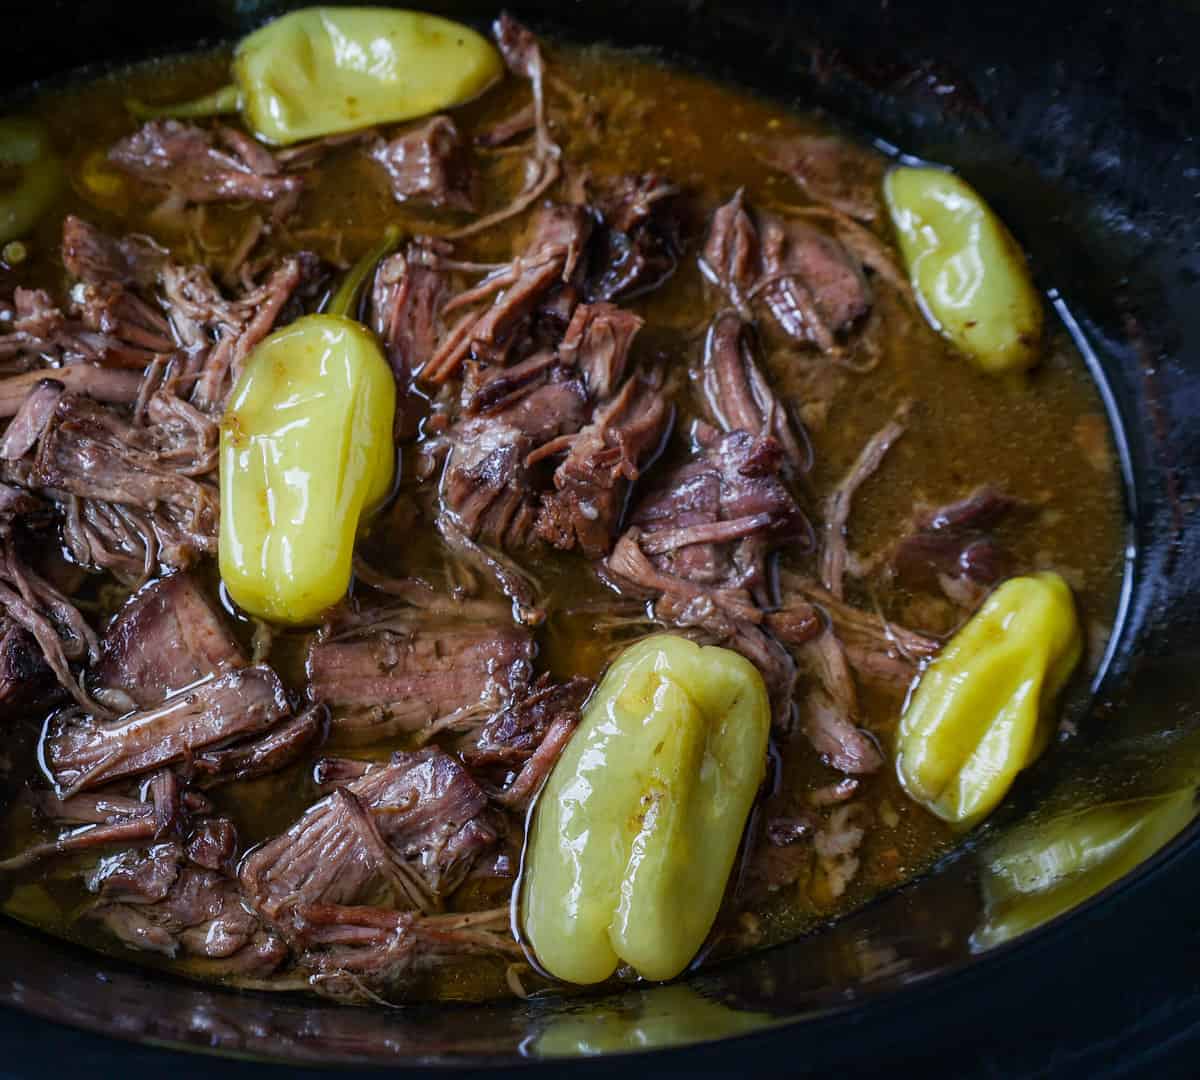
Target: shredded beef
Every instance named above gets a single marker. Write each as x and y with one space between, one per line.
638 245
166 637
544 270
714 519
604 460
427 163
200 166
82 753
401 669
408 831
738 393
201 915
813 288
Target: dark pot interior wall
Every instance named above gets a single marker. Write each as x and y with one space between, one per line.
1080 125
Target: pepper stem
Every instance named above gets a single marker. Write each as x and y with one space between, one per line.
346 298
226 100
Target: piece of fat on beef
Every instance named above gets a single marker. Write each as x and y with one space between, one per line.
149 902
82 753
402 834
400 670
428 163
166 637
592 483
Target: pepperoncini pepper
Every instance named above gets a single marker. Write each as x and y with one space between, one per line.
37 175
1039 871
323 70
981 712
967 271
635 833
306 453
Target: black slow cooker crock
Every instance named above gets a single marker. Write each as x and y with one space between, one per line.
1081 125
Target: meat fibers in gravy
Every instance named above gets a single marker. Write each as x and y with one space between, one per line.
659 367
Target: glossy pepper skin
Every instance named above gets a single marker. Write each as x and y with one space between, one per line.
635 833
306 453
324 70
1049 867
25 148
981 712
967 271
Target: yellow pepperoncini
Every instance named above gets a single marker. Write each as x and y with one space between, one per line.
967 271
323 70
26 155
1039 871
306 452
635 833
981 712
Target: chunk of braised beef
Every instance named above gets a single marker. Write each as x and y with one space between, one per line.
401 669
638 245
812 286
952 547
428 163
202 915
592 483
166 637
714 519
597 342
280 747
738 393
512 735
213 844
200 166
404 833
95 258
82 753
